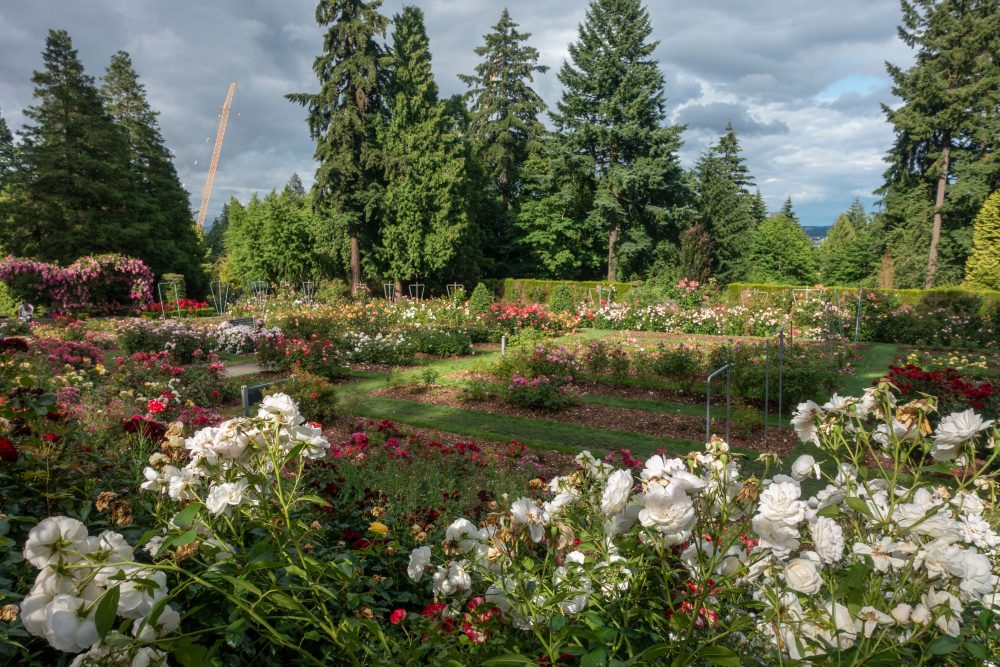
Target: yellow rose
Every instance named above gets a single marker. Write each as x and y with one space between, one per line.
379 527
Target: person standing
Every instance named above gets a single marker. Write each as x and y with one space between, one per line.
25 312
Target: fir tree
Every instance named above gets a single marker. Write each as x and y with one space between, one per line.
850 252
782 253
942 165
173 244
426 225
294 187
983 267
504 106
343 120
726 207
8 153
215 237
612 113
696 253
74 191
788 211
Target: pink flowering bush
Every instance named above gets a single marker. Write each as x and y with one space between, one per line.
101 283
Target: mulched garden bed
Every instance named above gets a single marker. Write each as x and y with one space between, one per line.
645 422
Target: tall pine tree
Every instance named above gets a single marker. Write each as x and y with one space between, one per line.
942 165
850 252
726 207
174 245
983 267
74 192
426 226
612 113
344 117
7 153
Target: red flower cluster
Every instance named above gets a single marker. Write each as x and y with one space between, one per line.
184 305
955 392
145 427
8 453
13 344
59 353
513 317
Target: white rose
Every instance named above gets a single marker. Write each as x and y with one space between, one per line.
801 575
223 496
66 628
777 536
53 539
780 502
316 443
461 536
805 466
901 613
670 511
524 511
616 492
804 421
955 430
828 540
420 558
280 408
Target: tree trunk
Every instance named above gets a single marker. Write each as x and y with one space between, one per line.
612 242
355 263
942 185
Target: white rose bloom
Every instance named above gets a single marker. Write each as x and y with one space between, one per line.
939 558
955 430
883 552
560 502
280 408
901 613
828 540
976 573
780 502
842 405
202 445
670 511
944 608
66 628
53 539
572 576
616 492
871 618
51 583
316 443
804 467
168 621
613 576
802 576
223 496
526 512
181 482
977 531
900 432
844 626
140 591
872 400
804 421
623 523
420 558
462 535
938 525
155 482
777 536
111 546
33 612
452 579
660 469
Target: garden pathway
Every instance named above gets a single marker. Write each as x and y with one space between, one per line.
239 370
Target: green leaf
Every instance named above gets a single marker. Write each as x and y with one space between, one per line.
184 518
179 540
107 610
858 505
558 622
944 645
830 511
509 659
720 655
315 500
189 654
596 658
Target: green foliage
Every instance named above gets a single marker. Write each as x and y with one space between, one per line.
481 300
315 395
8 153
696 250
8 302
983 266
850 252
949 120
611 117
216 235
425 228
781 252
540 291
343 120
561 299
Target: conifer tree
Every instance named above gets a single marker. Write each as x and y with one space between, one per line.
74 191
781 252
788 211
612 113
215 237
7 153
942 165
344 117
758 208
983 267
504 106
696 253
294 187
426 225
726 207
173 244
850 252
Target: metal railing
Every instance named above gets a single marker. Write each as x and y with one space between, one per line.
728 368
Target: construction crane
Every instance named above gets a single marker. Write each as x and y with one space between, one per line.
207 194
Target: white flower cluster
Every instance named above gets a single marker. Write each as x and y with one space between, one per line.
925 557
220 456
77 571
241 338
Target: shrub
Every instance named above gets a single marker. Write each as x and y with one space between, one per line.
439 342
561 299
541 392
480 301
682 363
315 395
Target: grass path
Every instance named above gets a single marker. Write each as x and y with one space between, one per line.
874 365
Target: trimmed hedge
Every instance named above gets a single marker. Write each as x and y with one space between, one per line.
987 299
524 290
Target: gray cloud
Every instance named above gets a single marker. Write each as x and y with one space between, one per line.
764 66
715 115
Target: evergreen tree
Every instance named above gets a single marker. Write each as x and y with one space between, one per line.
612 113
782 253
788 211
983 267
942 165
426 228
850 252
343 120
74 192
696 253
8 153
758 208
215 237
726 207
174 244
294 187
504 106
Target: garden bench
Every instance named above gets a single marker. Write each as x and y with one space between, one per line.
242 321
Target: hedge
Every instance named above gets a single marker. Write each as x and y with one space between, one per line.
913 297
524 290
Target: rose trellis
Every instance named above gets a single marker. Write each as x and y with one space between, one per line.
86 283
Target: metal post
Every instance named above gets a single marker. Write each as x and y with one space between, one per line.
220 294
708 400
389 289
416 291
767 378
177 300
308 290
245 400
781 369
503 344
163 308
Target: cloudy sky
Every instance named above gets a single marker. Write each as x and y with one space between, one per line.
801 79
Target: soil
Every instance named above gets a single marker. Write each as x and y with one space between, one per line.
645 422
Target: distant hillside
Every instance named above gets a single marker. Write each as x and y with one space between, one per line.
817 234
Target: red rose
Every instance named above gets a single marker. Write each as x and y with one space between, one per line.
8 452
51 437
397 616
155 407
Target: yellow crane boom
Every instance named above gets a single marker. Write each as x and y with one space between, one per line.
223 119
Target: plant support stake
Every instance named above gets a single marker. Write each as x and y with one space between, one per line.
728 368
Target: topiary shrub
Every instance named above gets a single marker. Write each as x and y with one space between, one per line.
176 279
481 300
561 299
